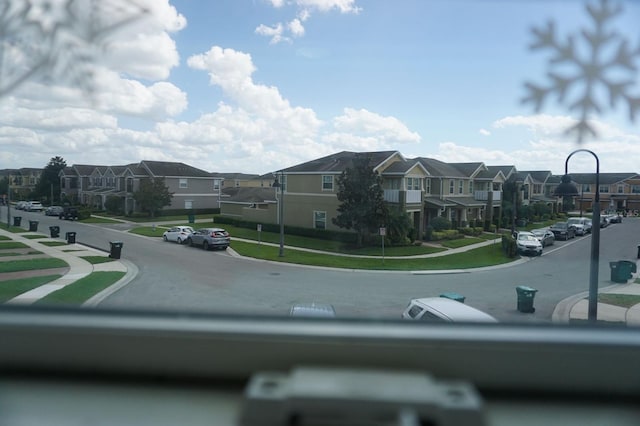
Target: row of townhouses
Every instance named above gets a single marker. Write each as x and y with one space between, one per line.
424 188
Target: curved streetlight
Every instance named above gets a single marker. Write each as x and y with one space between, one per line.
568 189
279 184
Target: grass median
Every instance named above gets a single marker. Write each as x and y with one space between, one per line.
479 257
32 264
83 289
12 288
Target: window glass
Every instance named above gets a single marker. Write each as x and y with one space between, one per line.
320 220
327 183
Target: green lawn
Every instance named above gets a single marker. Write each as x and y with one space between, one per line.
35 236
623 300
14 229
484 256
10 253
12 245
12 288
53 243
83 289
97 259
148 231
32 264
462 242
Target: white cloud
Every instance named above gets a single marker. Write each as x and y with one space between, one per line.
388 130
484 132
304 8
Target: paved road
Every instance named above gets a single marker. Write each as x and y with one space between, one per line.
182 278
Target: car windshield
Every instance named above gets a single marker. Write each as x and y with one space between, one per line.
315 144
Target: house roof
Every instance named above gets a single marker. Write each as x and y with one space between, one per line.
167 168
494 170
84 169
235 176
538 175
402 167
469 201
249 195
337 163
441 169
605 178
469 168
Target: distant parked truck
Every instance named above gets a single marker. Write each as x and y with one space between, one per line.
69 213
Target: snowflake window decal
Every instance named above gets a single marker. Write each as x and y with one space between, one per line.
57 40
607 67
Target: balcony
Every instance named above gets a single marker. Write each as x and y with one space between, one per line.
410 197
484 195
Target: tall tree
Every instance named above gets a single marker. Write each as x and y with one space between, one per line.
361 195
49 184
152 196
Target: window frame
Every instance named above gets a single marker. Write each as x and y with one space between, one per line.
317 220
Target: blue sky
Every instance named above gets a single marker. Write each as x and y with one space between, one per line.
231 93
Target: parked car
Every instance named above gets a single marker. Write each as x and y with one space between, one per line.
604 221
69 213
53 210
316 310
178 234
210 237
582 225
33 206
545 236
528 243
20 205
444 309
563 231
615 218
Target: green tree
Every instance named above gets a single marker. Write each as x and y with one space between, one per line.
152 196
113 204
361 196
48 187
399 227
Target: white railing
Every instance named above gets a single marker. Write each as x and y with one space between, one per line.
392 195
414 196
484 195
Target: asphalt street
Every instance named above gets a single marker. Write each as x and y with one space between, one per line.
180 278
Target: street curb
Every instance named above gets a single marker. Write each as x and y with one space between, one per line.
132 272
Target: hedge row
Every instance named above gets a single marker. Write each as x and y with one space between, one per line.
345 237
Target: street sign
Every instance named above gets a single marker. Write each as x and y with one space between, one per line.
383 231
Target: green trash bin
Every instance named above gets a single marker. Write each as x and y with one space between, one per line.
192 218
453 296
525 298
625 269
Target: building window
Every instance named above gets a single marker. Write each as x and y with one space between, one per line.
183 183
320 220
470 187
604 189
452 186
537 188
327 183
216 184
620 189
586 187
188 204
427 185
635 189
461 187
413 184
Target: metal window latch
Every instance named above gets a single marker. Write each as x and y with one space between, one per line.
349 397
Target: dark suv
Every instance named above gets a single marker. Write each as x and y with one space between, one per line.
69 213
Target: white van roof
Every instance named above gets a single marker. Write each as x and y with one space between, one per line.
452 310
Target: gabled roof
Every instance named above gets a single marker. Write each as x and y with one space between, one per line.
439 168
506 170
403 167
469 169
249 195
235 176
605 178
167 168
337 163
538 175
84 169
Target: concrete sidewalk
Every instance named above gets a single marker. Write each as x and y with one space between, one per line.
79 268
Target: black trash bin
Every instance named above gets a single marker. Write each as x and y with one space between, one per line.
453 296
638 251
33 225
17 220
525 298
71 237
116 249
55 231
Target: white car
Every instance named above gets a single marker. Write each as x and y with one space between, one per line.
178 234
582 224
444 309
33 206
528 243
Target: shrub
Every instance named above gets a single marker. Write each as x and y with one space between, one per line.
509 246
428 235
440 223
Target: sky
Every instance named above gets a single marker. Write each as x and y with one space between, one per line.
254 86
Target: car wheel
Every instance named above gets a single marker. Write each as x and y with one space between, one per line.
224 248
164 237
190 242
180 241
205 246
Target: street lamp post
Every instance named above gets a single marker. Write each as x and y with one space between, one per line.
566 188
279 184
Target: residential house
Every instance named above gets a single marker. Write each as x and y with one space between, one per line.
91 185
618 191
22 181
